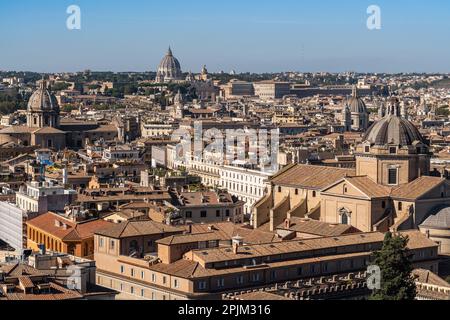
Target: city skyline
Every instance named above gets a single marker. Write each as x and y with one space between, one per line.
233 36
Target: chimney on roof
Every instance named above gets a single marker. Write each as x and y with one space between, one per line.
237 242
287 224
57 223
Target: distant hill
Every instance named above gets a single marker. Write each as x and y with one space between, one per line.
442 84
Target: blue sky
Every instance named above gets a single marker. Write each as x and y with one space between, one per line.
245 35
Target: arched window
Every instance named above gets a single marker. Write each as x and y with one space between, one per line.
344 218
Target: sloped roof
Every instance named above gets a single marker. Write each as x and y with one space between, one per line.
137 228
417 188
310 177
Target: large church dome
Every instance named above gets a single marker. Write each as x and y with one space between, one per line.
356 104
42 100
169 69
393 129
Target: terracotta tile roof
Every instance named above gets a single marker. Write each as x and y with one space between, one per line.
227 230
416 188
310 177
318 228
369 187
188 238
73 231
137 228
428 277
416 240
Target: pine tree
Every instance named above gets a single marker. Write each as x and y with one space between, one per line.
394 260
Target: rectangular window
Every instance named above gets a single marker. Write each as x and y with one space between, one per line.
176 283
188 214
142 292
240 280
400 206
227 213
153 277
100 242
383 204
217 213
142 275
112 244
122 269
392 150
299 271
220 283
202 285
392 176
203 214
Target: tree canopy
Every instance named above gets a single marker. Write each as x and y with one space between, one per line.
394 260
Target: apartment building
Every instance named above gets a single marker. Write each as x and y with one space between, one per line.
39 197
195 267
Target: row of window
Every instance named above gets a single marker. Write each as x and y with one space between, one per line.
204 213
297 192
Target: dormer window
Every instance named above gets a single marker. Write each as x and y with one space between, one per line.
367 149
392 150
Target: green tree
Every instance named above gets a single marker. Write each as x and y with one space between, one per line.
394 260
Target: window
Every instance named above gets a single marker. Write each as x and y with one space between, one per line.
203 214
344 219
400 206
240 279
217 213
314 194
383 204
153 277
122 269
392 176
392 150
227 213
142 275
221 282
100 244
296 192
132 290
132 272
279 189
273 275
142 292
256 277
164 280
176 283
112 243
202 285
188 214
367 149
299 271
